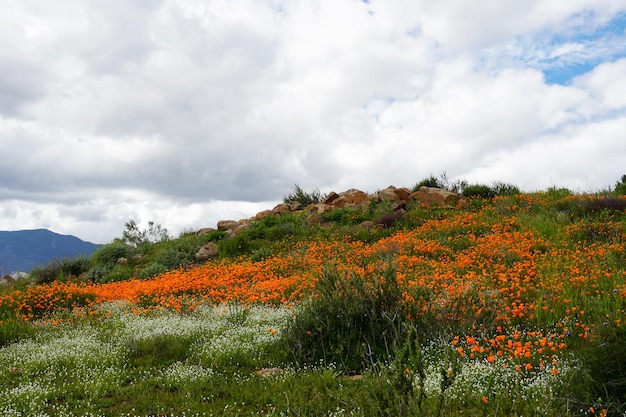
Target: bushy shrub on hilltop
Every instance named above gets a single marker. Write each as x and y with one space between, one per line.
620 186
298 195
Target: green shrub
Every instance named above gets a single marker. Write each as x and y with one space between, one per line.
298 195
502 189
59 269
173 258
620 186
152 270
47 273
346 216
430 181
555 193
119 272
353 322
605 362
110 254
479 190
96 273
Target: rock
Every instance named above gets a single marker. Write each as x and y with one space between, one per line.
395 194
330 198
321 208
262 214
432 195
367 224
206 231
7 280
208 251
225 225
122 261
351 198
281 209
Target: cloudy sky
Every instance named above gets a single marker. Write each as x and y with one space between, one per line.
185 112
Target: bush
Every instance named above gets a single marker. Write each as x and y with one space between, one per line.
152 270
430 181
97 273
298 195
479 190
620 186
48 273
109 254
503 189
57 269
442 182
353 322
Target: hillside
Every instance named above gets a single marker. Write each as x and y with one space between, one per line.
22 250
394 303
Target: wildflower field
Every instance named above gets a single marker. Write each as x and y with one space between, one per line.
500 307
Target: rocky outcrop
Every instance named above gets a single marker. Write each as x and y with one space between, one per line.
206 231
438 196
352 198
226 225
208 251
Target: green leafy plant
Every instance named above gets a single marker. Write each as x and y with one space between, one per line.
298 195
620 186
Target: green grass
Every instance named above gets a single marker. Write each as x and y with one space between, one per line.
206 363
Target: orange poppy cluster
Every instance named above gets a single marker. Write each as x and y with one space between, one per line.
483 268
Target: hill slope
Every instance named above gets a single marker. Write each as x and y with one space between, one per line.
22 250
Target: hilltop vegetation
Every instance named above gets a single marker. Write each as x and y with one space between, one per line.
507 303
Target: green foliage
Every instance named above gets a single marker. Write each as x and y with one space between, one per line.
352 322
96 273
108 255
298 195
135 237
504 189
152 270
558 193
430 181
346 216
59 269
158 351
479 190
620 186
441 182
47 273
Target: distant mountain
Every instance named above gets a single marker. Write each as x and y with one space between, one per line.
22 250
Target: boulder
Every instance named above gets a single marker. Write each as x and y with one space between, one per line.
262 214
432 195
225 225
351 198
206 231
7 280
321 208
395 194
330 198
208 251
281 209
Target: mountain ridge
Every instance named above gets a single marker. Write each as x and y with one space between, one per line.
22 250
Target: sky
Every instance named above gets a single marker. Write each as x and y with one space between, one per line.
186 112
